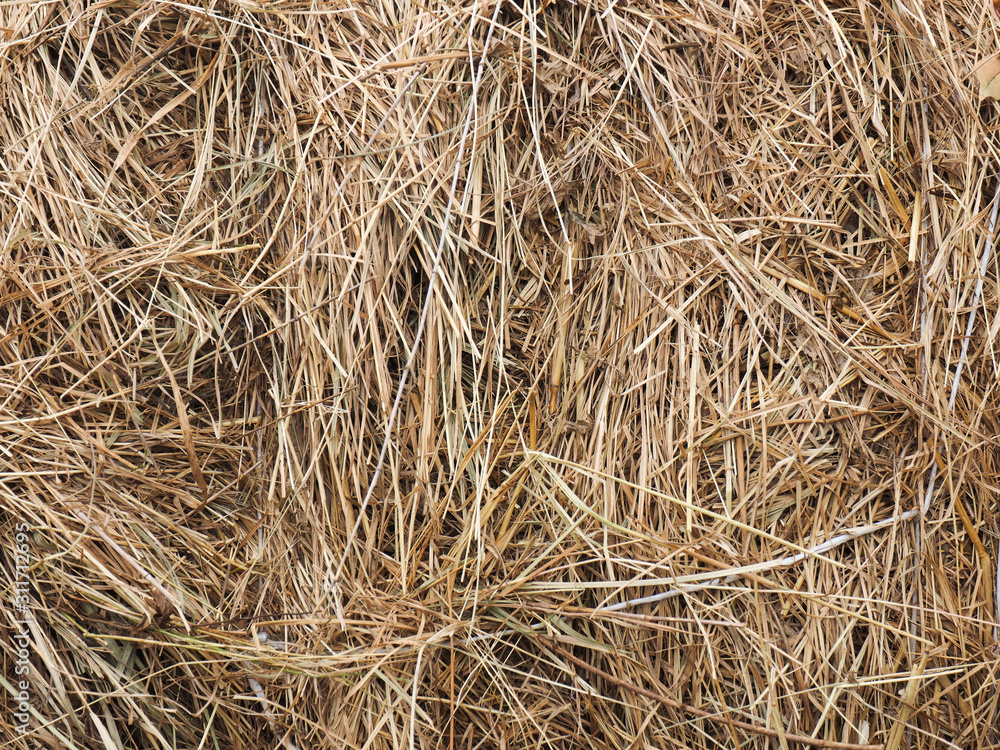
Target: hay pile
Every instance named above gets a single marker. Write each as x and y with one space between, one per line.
472 375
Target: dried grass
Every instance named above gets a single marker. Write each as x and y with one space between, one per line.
464 376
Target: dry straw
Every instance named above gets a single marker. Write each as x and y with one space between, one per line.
612 375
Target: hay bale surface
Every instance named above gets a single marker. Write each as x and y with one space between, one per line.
581 374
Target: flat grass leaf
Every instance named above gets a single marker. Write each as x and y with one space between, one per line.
988 73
